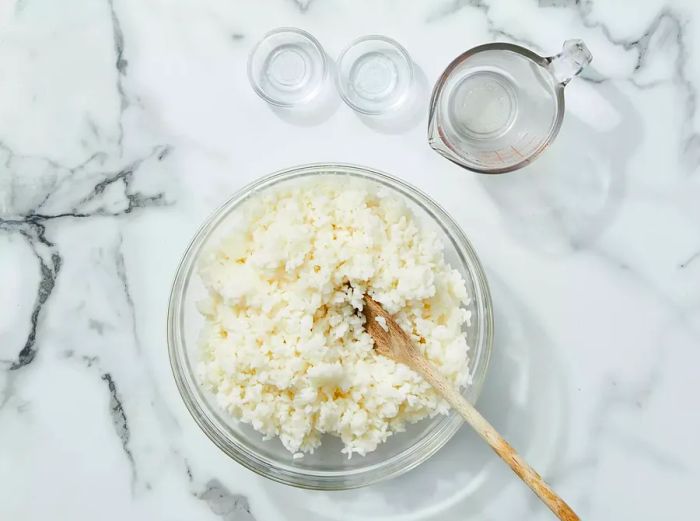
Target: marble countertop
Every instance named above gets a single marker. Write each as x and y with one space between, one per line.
123 123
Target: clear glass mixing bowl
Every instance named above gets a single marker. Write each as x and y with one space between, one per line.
327 468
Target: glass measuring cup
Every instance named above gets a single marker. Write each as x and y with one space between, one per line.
497 106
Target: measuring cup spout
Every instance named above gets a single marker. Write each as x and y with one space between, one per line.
569 62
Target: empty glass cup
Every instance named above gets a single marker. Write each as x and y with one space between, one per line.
497 106
288 67
375 75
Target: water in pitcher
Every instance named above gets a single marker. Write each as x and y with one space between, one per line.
498 106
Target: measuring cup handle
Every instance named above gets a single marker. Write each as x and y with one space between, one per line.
569 62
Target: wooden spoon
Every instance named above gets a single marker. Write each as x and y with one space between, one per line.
394 343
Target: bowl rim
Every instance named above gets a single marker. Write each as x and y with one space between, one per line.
215 427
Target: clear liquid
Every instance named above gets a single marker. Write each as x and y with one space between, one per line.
495 110
483 104
374 76
288 68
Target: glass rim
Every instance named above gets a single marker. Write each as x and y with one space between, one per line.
560 105
208 418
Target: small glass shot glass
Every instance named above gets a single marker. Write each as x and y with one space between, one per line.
375 75
288 67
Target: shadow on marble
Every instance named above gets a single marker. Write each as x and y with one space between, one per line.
524 397
569 196
404 120
315 114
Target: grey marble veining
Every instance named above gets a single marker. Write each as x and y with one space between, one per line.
124 123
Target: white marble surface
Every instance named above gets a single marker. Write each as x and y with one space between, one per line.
123 123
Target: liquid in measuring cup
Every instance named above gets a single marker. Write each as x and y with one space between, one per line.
497 106
483 104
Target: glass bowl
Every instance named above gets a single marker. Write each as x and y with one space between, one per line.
326 468
374 75
288 67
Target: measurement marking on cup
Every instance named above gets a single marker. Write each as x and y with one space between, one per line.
498 156
516 151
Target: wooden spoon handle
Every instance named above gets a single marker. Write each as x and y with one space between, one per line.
494 439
